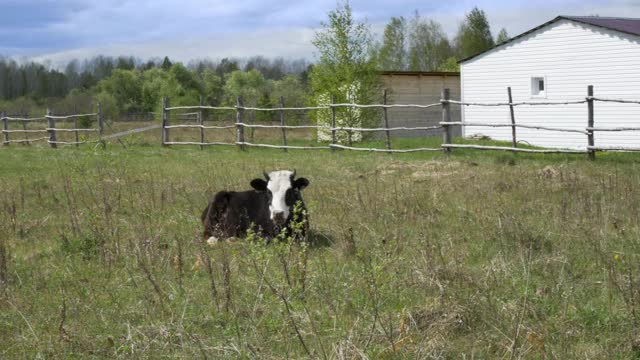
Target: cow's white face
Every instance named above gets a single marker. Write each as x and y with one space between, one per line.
283 191
280 183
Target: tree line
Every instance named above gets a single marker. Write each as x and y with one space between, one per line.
128 85
347 67
420 43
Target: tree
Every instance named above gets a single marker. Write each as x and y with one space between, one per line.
474 34
345 69
166 64
126 63
265 101
451 65
185 78
503 36
291 89
429 47
226 66
155 85
212 87
392 54
72 74
250 85
87 80
125 87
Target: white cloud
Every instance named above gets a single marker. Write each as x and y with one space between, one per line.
194 29
288 43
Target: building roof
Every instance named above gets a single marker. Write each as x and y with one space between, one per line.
623 25
421 73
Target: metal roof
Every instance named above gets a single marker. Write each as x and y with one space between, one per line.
624 25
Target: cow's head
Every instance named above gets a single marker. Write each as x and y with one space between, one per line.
283 191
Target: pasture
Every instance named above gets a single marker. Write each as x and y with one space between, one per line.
472 255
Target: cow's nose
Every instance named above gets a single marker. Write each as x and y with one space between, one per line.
278 217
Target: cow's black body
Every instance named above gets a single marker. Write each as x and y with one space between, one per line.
230 214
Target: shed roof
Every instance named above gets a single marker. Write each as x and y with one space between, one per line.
421 73
623 25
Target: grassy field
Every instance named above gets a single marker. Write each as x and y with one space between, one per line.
473 255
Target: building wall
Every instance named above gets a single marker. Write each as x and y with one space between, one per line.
421 89
570 56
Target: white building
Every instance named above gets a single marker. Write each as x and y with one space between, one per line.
556 61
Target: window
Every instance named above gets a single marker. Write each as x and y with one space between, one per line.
538 86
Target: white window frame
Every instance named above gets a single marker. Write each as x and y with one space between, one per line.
533 86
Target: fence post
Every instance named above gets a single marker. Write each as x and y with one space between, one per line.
201 122
163 119
590 138
5 127
101 126
333 122
240 127
284 131
446 118
166 115
24 127
75 124
386 119
51 124
514 143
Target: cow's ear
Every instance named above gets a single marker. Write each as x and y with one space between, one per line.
300 183
259 184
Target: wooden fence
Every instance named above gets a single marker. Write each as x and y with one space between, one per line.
445 126
50 132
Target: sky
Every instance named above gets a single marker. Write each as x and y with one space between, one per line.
57 31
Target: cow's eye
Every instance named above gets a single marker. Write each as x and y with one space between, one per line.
290 197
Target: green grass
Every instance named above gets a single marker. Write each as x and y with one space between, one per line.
477 254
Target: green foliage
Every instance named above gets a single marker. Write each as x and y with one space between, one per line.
213 87
109 104
22 106
265 101
185 78
182 86
250 85
125 86
429 47
85 245
451 64
166 64
126 63
85 122
226 66
474 34
392 53
503 36
155 85
292 90
346 68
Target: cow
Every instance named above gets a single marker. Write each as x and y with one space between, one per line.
268 209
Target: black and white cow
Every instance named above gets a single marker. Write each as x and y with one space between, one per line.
269 209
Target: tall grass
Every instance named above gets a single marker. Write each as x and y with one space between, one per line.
412 256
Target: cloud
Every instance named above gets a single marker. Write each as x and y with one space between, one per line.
187 29
287 43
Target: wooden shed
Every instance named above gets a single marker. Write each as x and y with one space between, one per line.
415 87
